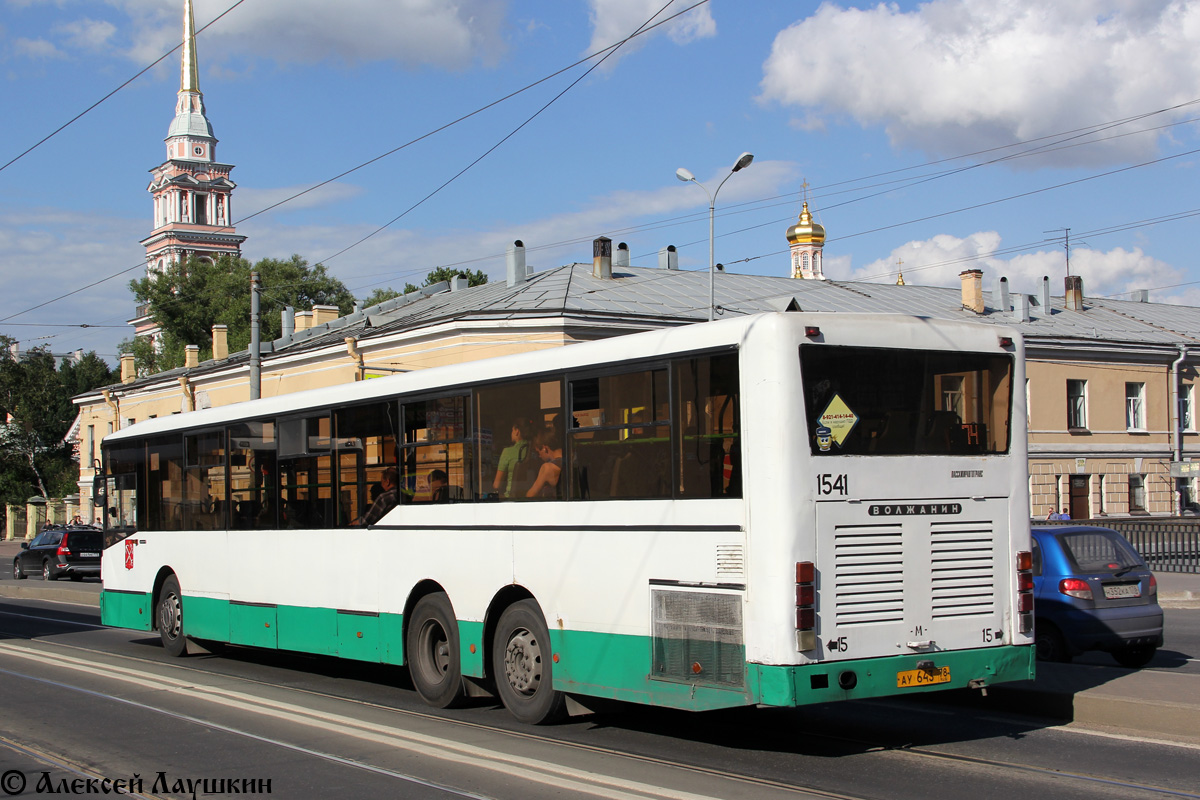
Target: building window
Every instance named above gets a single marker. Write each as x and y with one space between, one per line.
1101 488
1135 406
1187 407
1137 493
1077 405
201 217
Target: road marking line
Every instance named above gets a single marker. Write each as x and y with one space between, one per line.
559 776
1125 737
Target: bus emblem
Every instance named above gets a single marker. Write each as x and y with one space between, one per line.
129 543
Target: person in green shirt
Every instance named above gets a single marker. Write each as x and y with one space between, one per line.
510 457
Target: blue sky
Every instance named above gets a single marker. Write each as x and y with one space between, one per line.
948 135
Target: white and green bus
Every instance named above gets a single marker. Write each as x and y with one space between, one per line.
778 509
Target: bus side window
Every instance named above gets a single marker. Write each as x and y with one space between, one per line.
508 419
620 439
305 494
252 475
165 483
707 423
436 457
366 446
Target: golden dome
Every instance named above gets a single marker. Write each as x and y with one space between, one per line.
806 231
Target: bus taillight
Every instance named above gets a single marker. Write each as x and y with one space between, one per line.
806 606
1025 591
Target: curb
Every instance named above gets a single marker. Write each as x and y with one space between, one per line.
60 594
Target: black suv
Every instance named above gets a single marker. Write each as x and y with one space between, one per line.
73 551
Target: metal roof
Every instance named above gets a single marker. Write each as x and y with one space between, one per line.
644 298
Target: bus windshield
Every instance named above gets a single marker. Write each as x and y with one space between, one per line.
876 401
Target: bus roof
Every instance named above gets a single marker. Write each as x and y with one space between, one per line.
902 331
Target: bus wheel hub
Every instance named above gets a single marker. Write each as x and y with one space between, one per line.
523 662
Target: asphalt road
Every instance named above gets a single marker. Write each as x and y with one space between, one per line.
83 701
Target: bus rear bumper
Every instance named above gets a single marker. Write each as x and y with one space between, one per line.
894 675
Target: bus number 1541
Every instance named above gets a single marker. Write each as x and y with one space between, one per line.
833 484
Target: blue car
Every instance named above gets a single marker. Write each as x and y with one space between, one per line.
1093 592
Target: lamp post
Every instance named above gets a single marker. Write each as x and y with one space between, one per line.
743 161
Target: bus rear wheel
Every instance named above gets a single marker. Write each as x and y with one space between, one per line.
169 616
521 665
432 652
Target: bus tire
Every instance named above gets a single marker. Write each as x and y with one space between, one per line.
168 616
522 665
432 652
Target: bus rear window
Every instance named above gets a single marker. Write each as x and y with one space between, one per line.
874 401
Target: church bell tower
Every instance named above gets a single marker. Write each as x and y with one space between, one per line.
191 189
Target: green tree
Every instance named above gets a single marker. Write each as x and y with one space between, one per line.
36 411
190 297
476 278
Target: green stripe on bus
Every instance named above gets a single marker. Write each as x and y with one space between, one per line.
126 610
877 677
615 666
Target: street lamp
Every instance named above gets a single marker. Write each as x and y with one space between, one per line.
743 161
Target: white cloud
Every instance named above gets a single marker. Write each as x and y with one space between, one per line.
962 75
613 20
87 34
408 32
36 49
939 260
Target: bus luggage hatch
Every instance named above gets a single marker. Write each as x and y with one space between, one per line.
911 577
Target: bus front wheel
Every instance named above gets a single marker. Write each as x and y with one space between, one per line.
432 652
169 615
521 665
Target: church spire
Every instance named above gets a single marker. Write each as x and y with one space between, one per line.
189 72
191 134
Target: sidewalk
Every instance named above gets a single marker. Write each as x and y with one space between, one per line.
1151 702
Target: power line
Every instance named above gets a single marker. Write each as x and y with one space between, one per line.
81 114
646 28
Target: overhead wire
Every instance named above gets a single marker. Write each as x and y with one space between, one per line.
83 113
604 53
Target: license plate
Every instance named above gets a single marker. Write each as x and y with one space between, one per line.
922 677
89 555
1123 590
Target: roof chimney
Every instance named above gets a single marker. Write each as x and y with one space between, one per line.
287 322
515 258
458 283
303 320
323 314
1142 295
972 290
128 368
602 258
1074 286
1000 298
1021 308
1046 293
621 257
220 342
191 356
668 258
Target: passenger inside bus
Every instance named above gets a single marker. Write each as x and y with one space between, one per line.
546 484
439 486
386 501
510 459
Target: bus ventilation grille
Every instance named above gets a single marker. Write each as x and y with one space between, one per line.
963 565
696 637
731 561
868 574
